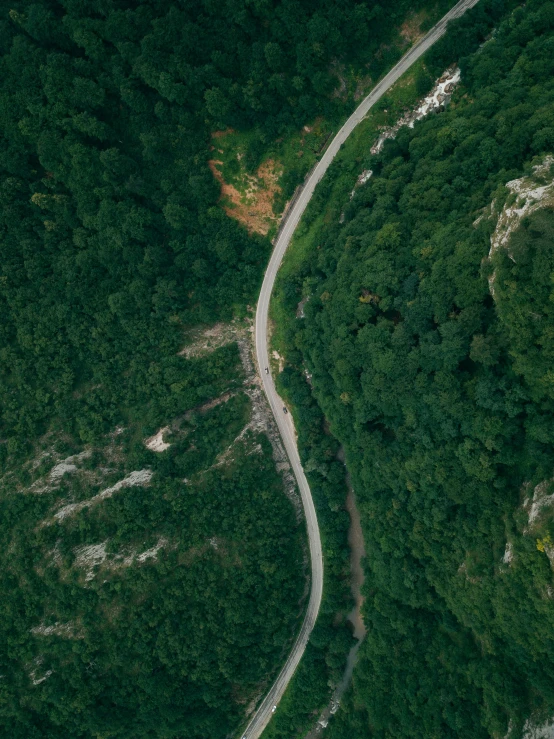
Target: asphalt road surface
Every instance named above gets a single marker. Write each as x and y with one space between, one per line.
284 421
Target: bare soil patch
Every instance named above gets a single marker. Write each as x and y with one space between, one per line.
219 134
254 207
411 28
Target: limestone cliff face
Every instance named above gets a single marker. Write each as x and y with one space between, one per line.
527 195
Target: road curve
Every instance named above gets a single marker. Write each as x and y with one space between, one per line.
284 422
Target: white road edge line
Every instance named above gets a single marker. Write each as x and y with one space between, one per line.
284 421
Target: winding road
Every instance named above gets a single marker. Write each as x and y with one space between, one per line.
284 421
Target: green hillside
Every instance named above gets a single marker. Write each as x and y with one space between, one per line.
432 362
145 593
154 566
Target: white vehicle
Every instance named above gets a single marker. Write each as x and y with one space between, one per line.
273 709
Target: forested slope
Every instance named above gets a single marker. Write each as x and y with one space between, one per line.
432 362
111 238
146 593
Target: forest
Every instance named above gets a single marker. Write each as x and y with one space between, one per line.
132 615
156 593
430 355
150 593
112 238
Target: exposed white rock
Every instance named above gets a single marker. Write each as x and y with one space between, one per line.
365 176
508 554
300 307
362 179
478 220
532 731
213 403
36 462
152 553
539 501
546 731
137 477
531 196
156 443
88 557
35 666
261 421
210 339
62 469
256 449
68 465
548 549
66 630
38 681
439 96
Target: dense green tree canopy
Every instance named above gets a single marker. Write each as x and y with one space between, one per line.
442 397
110 235
112 246
159 610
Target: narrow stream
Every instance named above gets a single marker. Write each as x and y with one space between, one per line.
357 552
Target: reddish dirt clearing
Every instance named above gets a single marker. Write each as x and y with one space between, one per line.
254 207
